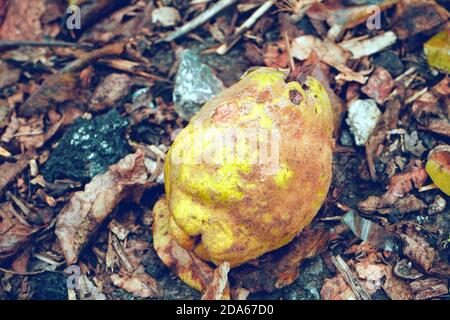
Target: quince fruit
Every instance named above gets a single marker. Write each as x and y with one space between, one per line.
251 169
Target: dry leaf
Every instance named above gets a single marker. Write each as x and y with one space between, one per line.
280 268
429 288
337 289
88 290
419 251
57 89
388 120
15 233
418 16
379 86
22 21
87 209
139 284
328 52
216 288
275 55
113 88
396 288
10 170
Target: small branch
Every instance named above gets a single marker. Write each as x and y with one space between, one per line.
199 20
244 27
32 273
10 44
369 46
354 284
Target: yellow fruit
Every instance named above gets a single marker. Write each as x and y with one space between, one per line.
251 169
438 167
437 51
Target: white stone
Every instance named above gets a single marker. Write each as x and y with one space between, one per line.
362 118
165 16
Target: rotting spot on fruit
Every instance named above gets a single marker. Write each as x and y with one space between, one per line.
295 96
305 86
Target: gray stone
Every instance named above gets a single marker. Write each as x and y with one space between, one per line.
346 138
195 84
414 145
309 283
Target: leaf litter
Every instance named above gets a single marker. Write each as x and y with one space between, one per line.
384 229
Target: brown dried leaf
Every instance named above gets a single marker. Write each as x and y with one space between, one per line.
419 251
22 21
10 170
429 288
402 183
409 203
275 55
280 268
139 284
379 86
8 74
387 121
87 209
113 87
57 89
15 233
337 289
396 288
216 288
30 133
418 16
371 274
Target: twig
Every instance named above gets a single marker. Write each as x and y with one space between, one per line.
199 20
10 44
244 27
121 254
416 96
354 284
130 67
85 59
428 187
32 273
19 202
288 49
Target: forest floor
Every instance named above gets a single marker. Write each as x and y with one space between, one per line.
76 98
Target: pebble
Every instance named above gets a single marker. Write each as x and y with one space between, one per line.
437 206
362 118
195 84
166 16
390 61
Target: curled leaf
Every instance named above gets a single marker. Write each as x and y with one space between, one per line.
281 267
219 284
14 232
87 209
140 284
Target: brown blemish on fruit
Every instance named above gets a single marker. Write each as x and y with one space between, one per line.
295 96
226 113
264 96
